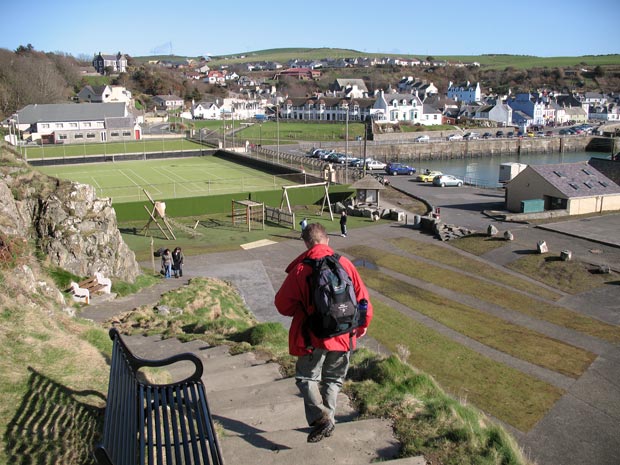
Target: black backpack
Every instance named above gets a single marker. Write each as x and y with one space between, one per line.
333 296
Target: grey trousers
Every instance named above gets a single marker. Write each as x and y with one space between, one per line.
319 377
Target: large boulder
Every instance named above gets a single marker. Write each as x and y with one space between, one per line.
79 232
75 229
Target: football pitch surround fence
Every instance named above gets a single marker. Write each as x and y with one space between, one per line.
175 190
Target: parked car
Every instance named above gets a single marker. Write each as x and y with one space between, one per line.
510 135
487 135
455 137
375 165
427 176
399 168
499 134
423 138
337 158
548 133
445 180
471 136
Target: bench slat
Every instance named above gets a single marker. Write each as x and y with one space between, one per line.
155 424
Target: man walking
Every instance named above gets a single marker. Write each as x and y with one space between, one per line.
343 224
322 364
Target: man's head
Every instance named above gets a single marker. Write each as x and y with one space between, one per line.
314 234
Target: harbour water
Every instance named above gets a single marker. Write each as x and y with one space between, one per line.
484 171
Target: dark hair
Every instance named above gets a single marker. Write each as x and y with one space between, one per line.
314 233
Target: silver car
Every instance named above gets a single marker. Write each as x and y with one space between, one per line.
445 180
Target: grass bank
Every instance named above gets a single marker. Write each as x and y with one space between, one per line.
446 256
488 292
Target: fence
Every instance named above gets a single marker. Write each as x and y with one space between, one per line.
281 217
176 190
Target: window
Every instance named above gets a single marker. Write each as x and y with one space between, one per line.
79 135
73 125
86 125
90 135
114 134
62 136
58 125
126 134
45 126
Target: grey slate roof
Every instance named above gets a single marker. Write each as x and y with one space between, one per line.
577 179
52 112
368 182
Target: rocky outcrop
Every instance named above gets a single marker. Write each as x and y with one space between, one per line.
69 224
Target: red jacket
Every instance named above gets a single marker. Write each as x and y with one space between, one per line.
294 297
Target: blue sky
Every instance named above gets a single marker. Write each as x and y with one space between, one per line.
190 28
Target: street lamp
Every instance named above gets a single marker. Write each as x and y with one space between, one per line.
346 147
278 130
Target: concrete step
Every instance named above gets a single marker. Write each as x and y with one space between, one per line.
248 376
267 407
419 460
213 365
234 362
353 443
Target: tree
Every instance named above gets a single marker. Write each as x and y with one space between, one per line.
21 50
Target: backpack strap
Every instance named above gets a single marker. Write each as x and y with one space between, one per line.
305 328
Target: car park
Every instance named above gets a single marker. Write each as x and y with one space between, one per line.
444 180
422 138
375 165
455 137
399 168
427 176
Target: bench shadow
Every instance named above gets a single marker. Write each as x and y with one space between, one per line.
249 433
51 425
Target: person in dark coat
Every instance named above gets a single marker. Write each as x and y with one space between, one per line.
343 224
177 262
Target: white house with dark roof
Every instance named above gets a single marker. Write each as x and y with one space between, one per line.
117 63
498 112
605 112
395 107
350 88
167 102
325 108
104 94
577 188
70 123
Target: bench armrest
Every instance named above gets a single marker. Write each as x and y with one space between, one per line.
138 362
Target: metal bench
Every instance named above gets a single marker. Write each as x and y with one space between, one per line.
148 423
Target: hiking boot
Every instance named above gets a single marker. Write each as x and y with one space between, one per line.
324 429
